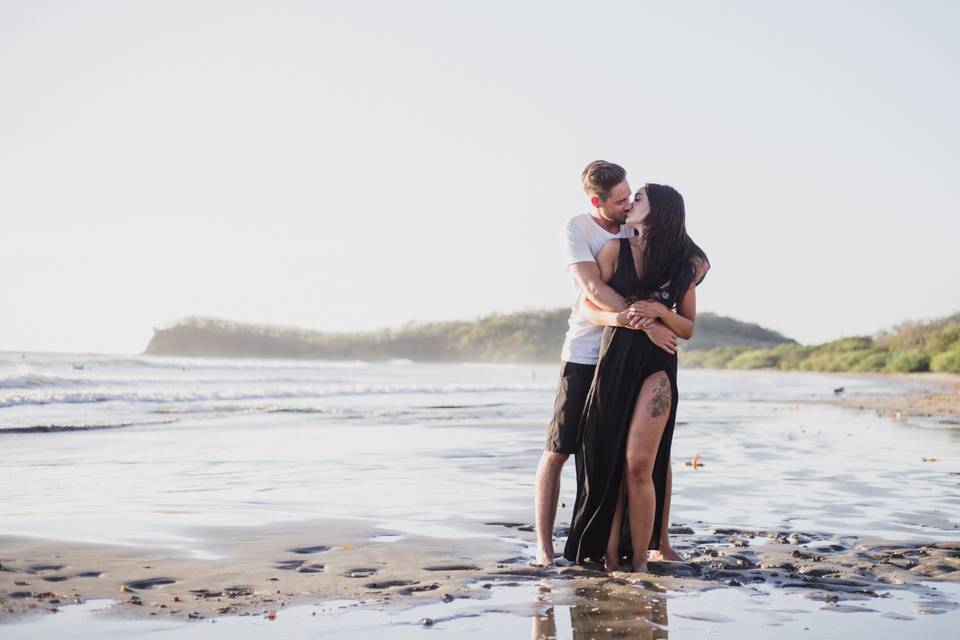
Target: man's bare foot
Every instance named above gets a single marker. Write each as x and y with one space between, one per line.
545 557
609 566
665 554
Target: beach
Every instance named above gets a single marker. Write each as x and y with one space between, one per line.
199 497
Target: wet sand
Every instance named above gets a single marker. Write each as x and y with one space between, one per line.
936 397
269 571
797 512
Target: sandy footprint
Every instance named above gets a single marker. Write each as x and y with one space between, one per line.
44 568
148 583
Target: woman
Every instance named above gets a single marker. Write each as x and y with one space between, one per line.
627 425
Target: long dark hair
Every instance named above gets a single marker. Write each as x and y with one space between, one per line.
669 254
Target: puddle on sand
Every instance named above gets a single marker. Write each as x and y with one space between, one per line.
548 609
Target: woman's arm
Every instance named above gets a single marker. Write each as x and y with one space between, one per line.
680 322
683 321
658 332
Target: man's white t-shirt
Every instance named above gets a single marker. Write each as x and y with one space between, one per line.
582 240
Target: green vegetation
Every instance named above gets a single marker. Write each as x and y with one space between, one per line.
536 336
929 346
531 336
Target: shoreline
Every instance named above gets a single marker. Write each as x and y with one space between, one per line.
939 398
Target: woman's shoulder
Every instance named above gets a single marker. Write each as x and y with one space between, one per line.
610 251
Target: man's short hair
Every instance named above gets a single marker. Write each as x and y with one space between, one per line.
600 177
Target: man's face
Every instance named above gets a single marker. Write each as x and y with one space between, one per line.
617 205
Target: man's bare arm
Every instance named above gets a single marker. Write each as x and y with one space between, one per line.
587 275
659 334
603 317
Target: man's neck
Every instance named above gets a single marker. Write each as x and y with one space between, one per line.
609 226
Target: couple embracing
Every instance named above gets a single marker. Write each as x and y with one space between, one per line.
635 271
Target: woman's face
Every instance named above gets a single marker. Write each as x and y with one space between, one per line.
641 207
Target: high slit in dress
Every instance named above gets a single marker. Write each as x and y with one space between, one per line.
627 359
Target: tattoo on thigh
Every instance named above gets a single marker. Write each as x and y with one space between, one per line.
660 402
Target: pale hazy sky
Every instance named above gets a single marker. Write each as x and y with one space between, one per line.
352 165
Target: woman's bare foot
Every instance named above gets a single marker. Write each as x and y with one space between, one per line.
665 554
545 556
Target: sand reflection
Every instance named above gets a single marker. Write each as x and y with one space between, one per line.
606 611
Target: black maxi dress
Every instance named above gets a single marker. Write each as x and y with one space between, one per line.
627 358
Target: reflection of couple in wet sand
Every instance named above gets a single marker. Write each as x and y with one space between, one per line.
603 612
635 270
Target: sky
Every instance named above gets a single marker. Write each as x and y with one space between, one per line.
359 165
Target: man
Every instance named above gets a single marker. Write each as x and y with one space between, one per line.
584 235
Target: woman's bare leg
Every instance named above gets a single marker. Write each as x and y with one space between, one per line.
650 414
611 559
666 552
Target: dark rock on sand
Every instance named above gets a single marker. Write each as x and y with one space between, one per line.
386 584
419 588
320 548
310 568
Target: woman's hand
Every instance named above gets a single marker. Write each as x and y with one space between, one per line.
662 336
649 309
629 319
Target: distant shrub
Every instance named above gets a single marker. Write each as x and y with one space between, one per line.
719 357
908 361
907 336
692 359
789 356
856 343
873 360
821 360
947 362
754 359
944 340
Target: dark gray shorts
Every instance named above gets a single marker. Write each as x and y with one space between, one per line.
563 434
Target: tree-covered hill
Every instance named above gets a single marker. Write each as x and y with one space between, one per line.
528 336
